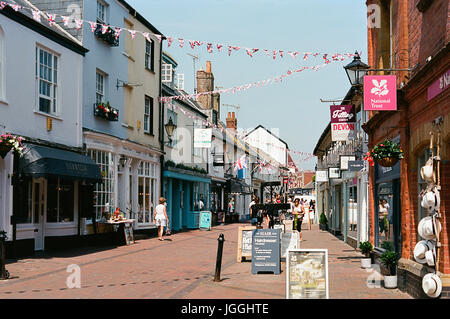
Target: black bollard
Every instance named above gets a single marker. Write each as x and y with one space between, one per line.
4 274
221 239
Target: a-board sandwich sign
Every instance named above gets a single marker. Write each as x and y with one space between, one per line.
205 220
307 274
266 251
289 241
245 236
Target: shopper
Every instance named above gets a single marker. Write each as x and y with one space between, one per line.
160 217
298 217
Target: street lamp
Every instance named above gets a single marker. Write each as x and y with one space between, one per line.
170 128
356 70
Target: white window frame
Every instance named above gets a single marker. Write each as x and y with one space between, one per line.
180 81
146 174
102 5
49 80
101 92
2 67
148 115
166 72
148 54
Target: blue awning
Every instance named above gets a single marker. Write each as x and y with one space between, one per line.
186 177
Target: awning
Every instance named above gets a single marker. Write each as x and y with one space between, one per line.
42 161
240 187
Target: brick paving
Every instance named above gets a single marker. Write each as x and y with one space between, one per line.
182 268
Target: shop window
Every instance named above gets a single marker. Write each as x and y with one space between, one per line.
60 201
146 195
385 216
47 80
352 210
23 214
104 192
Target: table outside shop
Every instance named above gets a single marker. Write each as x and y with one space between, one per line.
125 227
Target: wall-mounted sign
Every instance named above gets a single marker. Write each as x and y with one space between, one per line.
439 86
202 138
245 242
343 121
266 251
334 172
322 176
307 274
205 220
344 159
355 166
380 93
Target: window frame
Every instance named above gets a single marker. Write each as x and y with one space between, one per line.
166 72
53 81
103 19
149 55
148 116
102 93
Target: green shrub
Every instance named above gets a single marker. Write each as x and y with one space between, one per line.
366 248
390 260
323 219
387 245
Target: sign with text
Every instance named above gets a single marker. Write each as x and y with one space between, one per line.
289 241
205 220
355 166
266 251
245 242
202 138
380 93
334 172
343 120
344 159
307 274
439 86
322 176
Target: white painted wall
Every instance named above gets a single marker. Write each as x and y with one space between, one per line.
262 139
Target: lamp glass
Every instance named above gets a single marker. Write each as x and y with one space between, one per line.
170 127
356 70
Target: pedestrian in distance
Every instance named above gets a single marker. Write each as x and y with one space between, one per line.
252 210
298 217
160 218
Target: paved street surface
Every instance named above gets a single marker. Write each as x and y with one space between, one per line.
182 267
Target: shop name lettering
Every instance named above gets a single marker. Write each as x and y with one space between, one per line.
379 103
229 309
444 81
76 167
343 127
341 115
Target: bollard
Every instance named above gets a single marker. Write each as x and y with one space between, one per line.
221 239
4 274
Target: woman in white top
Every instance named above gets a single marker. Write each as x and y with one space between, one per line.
160 217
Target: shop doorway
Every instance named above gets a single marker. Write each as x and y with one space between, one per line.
38 195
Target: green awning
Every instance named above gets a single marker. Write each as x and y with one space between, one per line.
42 161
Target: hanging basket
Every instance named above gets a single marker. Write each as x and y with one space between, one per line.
387 161
4 150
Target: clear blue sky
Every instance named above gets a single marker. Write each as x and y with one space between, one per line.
293 107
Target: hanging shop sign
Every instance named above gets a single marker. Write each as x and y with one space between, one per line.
355 166
380 93
334 172
307 274
439 86
343 121
322 176
266 251
202 138
205 220
344 160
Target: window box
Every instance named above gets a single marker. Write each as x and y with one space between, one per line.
106 111
107 34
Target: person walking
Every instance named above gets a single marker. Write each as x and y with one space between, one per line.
160 218
298 217
253 211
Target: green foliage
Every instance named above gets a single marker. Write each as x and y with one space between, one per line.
387 245
170 163
387 149
366 248
389 259
323 219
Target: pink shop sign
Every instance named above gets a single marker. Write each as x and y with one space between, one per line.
380 93
439 86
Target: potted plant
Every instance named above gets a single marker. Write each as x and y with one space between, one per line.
390 259
323 222
386 154
10 142
366 249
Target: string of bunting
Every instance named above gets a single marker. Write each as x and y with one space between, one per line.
116 31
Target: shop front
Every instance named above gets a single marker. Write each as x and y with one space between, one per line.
49 185
218 205
187 194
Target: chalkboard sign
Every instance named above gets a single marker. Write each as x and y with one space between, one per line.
245 242
266 251
205 220
289 241
128 232
307 274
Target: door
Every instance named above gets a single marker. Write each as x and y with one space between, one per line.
38 213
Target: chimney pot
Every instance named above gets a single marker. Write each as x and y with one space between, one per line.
208 66
233 115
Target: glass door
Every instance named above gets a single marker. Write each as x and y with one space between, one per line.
38 194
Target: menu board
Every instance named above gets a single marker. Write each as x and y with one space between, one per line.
307 274
266 251
205 220
245 242
128 232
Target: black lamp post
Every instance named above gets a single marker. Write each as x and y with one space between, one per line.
356 70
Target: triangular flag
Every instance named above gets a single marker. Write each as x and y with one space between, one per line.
36 15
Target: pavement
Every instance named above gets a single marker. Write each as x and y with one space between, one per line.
181 267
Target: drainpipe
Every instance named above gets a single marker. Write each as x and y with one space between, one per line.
161 123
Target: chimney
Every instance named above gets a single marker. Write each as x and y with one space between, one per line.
208 66
205 83
232 121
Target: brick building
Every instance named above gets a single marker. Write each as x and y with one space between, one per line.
411 34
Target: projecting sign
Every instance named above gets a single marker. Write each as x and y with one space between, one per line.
202 138
380 93
334 172
344 159
321 176
355 166
307 274
343 118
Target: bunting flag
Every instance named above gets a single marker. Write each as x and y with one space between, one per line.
209 47
104 28
36 15
169 41
192 44
181 41
293 54
78 23
51 19
93 26
219 47
117 32
159 37
65 20
3 4
132 33
240 163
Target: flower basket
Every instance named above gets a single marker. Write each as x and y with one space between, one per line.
106 111
4 150
10 142
387 161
